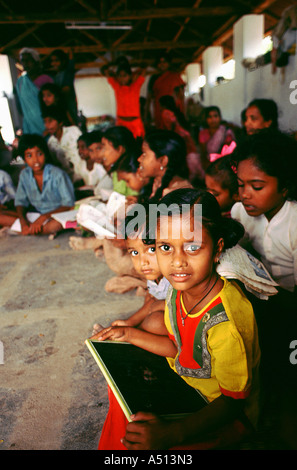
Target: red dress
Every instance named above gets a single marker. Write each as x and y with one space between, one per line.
128 104
165 84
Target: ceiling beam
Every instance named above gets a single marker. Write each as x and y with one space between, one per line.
121 47
118 16
19 38
171 12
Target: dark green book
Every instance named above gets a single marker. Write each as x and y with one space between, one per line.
143 381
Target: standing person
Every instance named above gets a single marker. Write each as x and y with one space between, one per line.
64 74
127 93
27 91
213 136
174 120
260 114
42 186
212 340
166 82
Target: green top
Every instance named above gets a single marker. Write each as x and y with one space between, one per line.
120 186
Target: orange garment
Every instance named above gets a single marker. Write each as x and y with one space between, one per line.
114 429
128 104
165 84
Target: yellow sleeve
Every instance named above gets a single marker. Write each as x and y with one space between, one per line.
229 360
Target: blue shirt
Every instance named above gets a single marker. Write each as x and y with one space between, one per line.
57 190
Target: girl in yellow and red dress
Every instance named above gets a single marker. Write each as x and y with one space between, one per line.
212 340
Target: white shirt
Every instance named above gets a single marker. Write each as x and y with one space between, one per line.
159 291
274 240
91 177
66 150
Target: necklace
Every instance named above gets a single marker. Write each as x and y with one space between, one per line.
190 311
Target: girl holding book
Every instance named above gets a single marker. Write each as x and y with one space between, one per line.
212 338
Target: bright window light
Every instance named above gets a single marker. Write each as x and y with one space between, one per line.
228 69
5 121
201 81
267 44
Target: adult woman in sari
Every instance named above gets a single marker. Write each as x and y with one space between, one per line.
214 136
27 91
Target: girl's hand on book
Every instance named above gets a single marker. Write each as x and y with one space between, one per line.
147 432
121 323
115 333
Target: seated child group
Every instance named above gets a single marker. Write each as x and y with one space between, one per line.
244 180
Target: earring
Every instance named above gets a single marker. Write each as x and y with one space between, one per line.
161 168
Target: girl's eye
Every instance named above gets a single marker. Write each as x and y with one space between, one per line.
134 253
152 249
257 188
165 248
192 248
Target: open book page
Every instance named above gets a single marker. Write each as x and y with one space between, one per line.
99 217
31 217
237 263
67 219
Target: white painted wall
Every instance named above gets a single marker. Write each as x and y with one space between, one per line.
259 83
233 96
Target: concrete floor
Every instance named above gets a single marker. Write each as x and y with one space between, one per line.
52 394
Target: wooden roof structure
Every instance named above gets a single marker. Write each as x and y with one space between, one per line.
96 32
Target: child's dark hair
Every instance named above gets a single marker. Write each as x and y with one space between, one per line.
163 142
93 137
217 226
274 153
84 138
62 56
125 67
209 110
56 90
29 141
128 164
121 136
137 223
222 171
54 112
168 102
268 110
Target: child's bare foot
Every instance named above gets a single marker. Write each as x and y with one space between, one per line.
52 236
80 243
99 252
